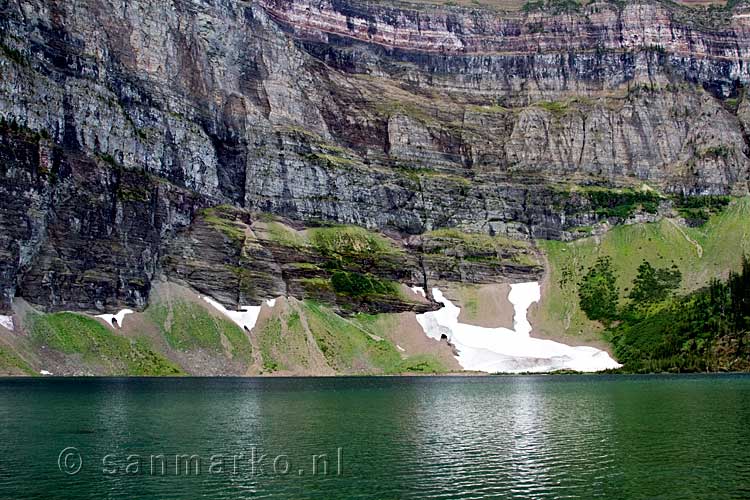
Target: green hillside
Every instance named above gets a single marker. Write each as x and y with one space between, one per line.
700 253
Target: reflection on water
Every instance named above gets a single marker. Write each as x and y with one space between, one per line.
417 438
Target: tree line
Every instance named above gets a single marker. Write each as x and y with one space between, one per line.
656 329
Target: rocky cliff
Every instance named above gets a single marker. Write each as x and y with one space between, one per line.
220 143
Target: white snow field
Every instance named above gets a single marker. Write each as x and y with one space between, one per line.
246 317
500 350
120 317
7 322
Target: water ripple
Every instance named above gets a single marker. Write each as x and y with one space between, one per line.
401 438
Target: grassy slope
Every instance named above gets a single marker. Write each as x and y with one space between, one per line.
72 333
356 346
304 338
723 239
191 326
382 326
308 337
283 344
11 364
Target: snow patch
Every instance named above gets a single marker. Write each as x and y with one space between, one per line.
45 373
246 317
419 290
120 317
271 302
7 322
496 350
400 348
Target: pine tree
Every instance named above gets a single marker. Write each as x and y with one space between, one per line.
598 292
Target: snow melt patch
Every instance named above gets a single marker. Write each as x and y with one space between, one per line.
120 317
45 373
246 317
7 322
271 302
496 350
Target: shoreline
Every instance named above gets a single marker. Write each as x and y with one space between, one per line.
344 376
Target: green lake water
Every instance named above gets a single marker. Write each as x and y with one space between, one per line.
619 437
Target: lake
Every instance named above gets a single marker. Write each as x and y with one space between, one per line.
620 437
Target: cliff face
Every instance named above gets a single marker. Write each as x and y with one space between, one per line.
124 121
542 51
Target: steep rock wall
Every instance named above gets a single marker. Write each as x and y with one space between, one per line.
128 118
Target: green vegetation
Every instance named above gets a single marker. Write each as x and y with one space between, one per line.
476 242
504 5
732 104
304 265
78 334
652 286
414 173
314 286
10 363
471 306
188 326
356 345
349 241
222 218
606 202
13 54
599 295
133 193
552 6
598 292
421 363
720 151
331 160
414 110
284 235
351 285
624 204
109 160
347 247
347 347
700 254
283 344
361 285
12 126
270 339
478 247
342 260
351 345
699 209
704 330
554 107
241 347
495 108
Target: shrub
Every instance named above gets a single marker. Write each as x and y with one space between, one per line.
359 285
